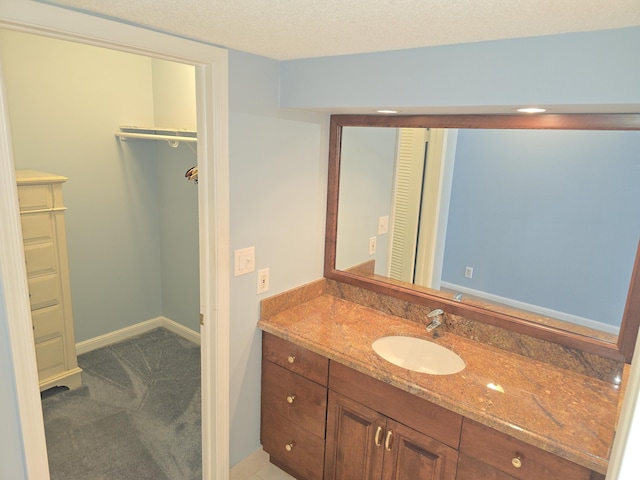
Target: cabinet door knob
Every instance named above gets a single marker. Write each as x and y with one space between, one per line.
516 461
378 440
388 442
290 399
288 447
291 358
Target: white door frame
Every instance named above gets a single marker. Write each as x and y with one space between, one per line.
211 66
435 205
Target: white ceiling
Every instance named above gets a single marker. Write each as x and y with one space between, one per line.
289 29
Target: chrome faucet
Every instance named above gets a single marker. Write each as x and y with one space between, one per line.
434 316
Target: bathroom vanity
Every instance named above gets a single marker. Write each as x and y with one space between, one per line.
332 408
541 388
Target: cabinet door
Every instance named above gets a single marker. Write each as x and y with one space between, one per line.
410 455
355 439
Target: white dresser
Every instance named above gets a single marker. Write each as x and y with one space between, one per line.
45 248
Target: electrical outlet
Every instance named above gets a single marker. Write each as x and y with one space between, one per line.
263 280
468 272
383 225
372 245
244 261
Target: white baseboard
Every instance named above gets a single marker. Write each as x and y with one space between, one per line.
181 330
134 330
249 466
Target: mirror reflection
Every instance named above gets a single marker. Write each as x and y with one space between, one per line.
509 217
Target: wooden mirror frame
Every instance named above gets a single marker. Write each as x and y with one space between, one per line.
622 350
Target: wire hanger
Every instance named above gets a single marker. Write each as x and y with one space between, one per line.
192 174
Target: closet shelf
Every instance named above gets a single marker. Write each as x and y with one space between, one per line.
171 135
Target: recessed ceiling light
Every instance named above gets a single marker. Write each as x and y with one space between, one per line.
531 110
387 111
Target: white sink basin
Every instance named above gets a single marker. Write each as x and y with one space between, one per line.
418 355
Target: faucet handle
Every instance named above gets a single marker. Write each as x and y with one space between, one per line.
434 316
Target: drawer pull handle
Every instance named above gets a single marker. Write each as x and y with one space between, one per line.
516 461
291 358
388 442
290 399
378 440
288 447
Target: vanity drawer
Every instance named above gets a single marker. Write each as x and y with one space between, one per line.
294 397
35 197
419 414
292 447
295 358
504 453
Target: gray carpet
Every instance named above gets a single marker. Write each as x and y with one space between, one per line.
135 417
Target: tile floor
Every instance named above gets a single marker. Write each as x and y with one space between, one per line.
270 472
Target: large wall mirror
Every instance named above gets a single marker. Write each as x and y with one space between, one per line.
531 223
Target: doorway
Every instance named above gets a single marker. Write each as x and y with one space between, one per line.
132 234
211 78
420 204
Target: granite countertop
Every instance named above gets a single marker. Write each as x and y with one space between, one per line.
565 413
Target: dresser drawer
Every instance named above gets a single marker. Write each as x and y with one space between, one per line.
44 291
50 357
294 397
292 447
35 197
40 259
295 358
37 227
505 453
47 322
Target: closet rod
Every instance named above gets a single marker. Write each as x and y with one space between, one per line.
149 136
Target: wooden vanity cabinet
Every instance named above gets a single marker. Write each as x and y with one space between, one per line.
324 420
293 407
376 431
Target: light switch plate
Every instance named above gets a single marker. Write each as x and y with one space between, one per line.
244 261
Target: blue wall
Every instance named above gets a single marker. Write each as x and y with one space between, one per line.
550 218
367 163
178 225
590 68
278 171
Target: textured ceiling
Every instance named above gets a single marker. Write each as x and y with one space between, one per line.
288 29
